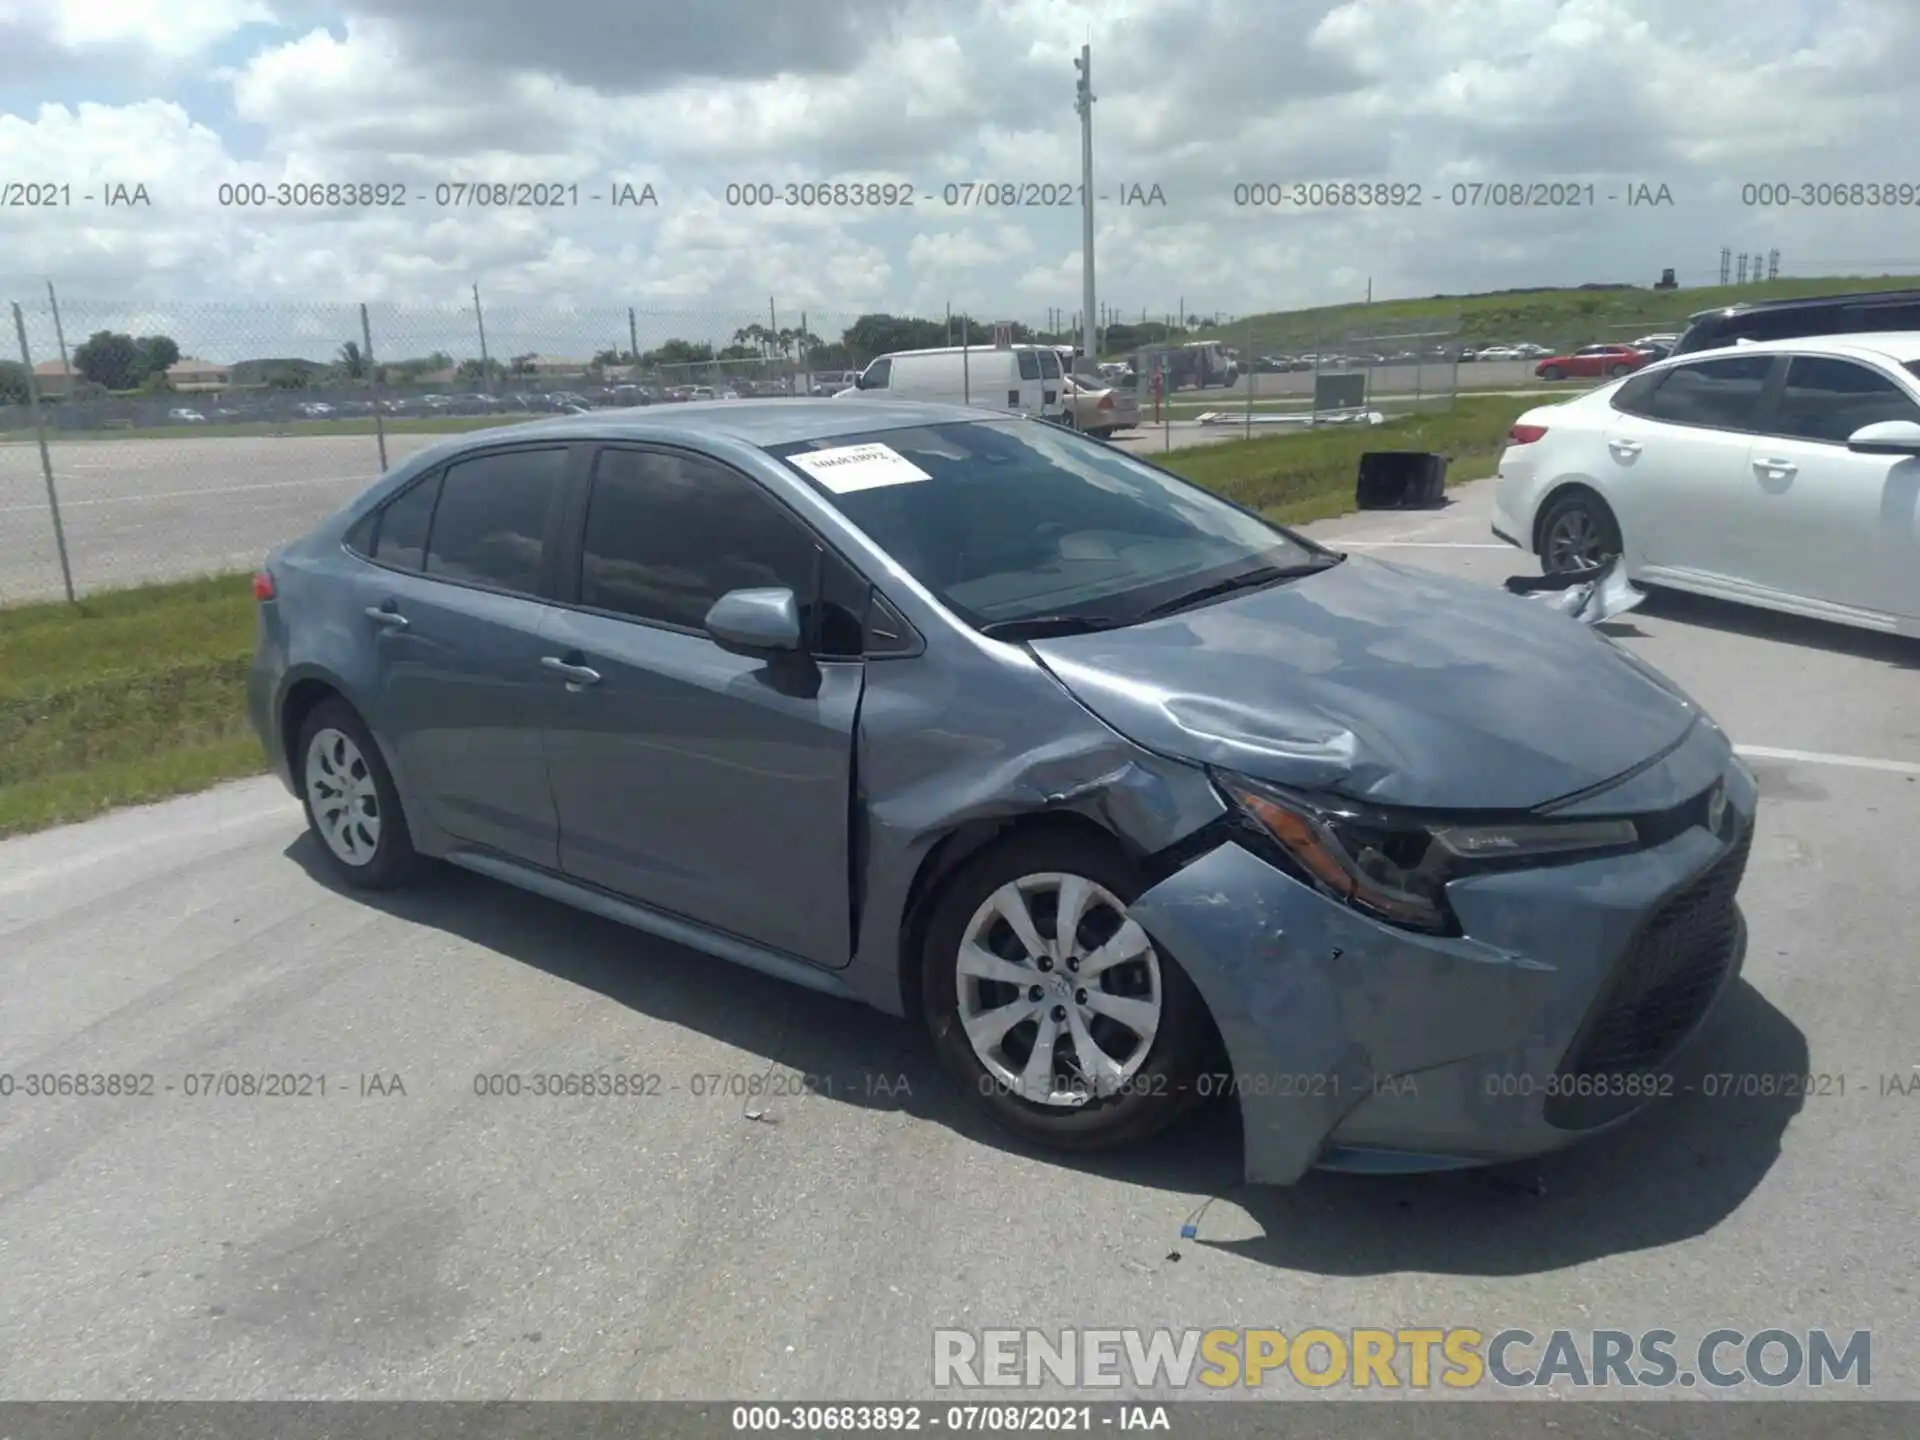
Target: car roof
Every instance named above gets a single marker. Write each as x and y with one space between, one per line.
1899 346
760 423
1806 302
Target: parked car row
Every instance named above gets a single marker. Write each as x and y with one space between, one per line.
352 402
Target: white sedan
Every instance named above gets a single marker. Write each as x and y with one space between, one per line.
1784 474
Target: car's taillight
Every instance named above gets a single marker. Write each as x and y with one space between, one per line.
1106 403
263 586
1525 434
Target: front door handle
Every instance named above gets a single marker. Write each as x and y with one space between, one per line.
387 616
576 675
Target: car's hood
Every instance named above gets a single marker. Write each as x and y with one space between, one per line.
1381 682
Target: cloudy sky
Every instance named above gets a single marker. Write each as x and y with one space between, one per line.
1195 97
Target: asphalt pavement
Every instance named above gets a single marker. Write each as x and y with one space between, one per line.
741 1234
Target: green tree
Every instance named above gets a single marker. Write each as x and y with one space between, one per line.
13 383
109 359
154 353
352 361
678 352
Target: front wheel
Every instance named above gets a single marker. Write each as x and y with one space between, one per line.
1577 532
1618 370
1553 372
1053 1007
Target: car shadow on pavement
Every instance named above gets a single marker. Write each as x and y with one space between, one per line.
1901 652
1674 1172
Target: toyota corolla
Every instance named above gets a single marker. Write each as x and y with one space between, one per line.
1129 795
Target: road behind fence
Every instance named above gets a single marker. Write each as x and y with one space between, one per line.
170 441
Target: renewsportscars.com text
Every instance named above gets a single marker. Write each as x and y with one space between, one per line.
1451 1358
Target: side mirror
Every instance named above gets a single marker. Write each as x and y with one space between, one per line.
860 381
1886 437
755 622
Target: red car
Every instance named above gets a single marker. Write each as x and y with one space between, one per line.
1593 360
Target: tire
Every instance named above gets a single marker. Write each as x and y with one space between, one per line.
1618 370
337 758
1553 372
1577 530
1153 1081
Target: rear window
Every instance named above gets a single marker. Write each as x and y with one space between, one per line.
1029 365
1049 365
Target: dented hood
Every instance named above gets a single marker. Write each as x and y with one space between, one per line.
1384 683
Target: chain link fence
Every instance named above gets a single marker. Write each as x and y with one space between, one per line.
143 443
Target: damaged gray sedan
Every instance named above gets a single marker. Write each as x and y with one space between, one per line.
1130 796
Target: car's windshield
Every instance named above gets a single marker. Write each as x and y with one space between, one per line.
1011 521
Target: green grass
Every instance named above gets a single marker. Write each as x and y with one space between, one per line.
1542 316
1309 475
128 696
135 695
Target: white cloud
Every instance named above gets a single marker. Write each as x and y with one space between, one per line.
1194 97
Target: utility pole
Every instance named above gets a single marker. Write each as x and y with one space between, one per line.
1083 103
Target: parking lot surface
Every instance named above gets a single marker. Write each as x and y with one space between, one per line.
407 1235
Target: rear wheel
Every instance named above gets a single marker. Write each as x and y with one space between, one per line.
351 803
1577 532
1054 1008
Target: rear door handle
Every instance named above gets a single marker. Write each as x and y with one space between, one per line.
576 674
1624 447
1777 467
387 616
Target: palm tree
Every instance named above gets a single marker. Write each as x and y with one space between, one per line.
352 361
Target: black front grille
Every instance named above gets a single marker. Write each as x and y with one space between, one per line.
1657 995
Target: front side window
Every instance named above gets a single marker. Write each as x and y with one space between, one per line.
1717 394
490 526
668 534
1019 520
1828 399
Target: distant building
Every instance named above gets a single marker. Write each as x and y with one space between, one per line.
554 365
190 376
54 378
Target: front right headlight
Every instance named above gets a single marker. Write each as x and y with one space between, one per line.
1396 865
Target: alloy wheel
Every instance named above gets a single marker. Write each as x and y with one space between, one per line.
1575 542
343 797
1059 991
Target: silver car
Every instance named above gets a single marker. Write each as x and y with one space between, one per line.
1131 797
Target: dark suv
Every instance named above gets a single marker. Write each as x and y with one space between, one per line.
1802 318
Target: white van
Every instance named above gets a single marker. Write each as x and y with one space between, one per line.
1022 379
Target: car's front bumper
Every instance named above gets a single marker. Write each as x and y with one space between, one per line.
1357 1045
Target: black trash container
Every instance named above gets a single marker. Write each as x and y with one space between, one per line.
1400 480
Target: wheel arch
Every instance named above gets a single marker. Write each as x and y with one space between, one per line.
310 686
946 857
1560 491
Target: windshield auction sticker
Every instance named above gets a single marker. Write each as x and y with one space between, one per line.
847 468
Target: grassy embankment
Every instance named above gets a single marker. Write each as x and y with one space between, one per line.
135 695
